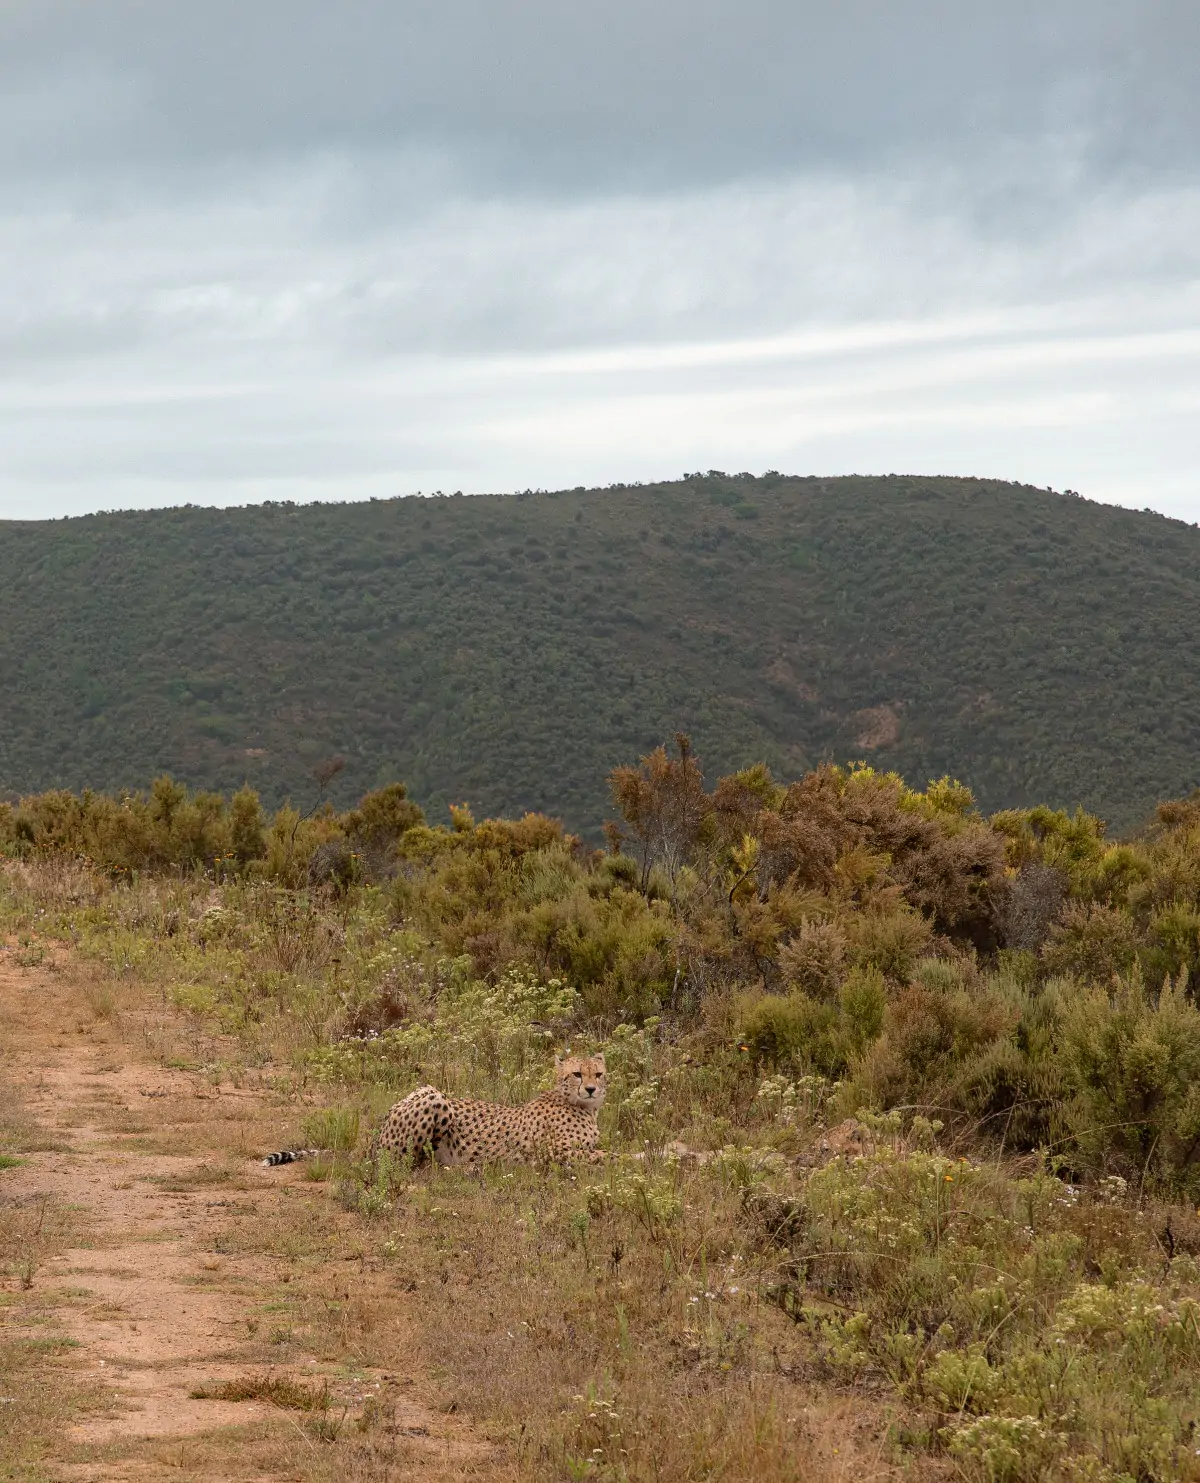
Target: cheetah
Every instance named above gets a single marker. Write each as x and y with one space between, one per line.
560 1123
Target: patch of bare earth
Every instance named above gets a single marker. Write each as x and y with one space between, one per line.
877 726
191 1246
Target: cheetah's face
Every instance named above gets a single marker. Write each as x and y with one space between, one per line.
580 1080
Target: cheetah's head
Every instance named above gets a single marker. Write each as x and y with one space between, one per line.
579 1080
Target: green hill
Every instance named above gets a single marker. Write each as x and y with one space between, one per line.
509 650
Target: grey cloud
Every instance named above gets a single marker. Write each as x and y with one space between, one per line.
564 97
300 250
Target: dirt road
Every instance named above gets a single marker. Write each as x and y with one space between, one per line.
197 1264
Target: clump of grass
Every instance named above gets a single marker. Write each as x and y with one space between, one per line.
370 1186
332 1129
100 999
202 1176
275 1390
327 1428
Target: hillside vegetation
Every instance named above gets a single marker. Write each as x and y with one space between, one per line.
903 1132
508 651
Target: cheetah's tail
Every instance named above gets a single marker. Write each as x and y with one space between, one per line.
290 1155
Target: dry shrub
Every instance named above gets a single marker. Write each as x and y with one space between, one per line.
814 959
1027 904
802 830
58 882
664 807
294 935
389 1006
944 859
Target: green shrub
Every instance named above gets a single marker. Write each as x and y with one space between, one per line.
172 829
792 1030
974 1293
935 1044
889 941
863 1002
1132 1062
247 837
1172 943
1092 943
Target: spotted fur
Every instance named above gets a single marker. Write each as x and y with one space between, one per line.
560 1123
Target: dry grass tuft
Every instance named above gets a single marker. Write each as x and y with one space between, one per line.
275 1390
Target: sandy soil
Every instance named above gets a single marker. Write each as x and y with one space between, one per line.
155 1305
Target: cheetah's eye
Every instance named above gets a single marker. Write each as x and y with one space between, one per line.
578 1073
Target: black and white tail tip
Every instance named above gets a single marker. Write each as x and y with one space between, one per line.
290 1155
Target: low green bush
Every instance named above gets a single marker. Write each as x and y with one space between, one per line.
1036 1319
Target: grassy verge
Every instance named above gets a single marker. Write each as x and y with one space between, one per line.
723 1297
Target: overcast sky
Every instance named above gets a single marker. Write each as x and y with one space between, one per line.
281 249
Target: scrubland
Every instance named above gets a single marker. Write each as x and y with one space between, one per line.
511 650
903 1131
